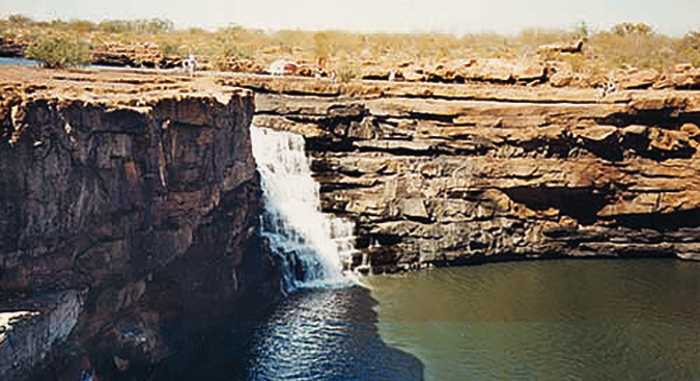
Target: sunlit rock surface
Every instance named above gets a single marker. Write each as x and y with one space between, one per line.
442 175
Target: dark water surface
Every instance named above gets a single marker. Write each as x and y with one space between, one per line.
326 334
547 320
541 320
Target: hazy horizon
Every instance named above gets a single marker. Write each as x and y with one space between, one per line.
675 17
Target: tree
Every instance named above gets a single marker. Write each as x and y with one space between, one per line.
58 52
19 20
169 48
690 47
581 32
627 28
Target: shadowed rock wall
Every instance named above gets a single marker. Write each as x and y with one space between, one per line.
145 205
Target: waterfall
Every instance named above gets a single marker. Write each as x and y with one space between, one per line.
314 245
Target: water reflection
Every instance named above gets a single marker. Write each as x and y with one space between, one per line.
548 320
327 334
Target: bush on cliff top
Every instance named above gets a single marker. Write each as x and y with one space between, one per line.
222 54
57 52
169 48
347 72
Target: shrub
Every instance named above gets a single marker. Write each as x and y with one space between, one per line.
346 72
690 47
56 52
627 28
168 48
222 54
19 20
321 45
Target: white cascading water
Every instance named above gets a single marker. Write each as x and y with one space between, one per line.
314 244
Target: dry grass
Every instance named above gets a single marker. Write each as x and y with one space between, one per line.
625 45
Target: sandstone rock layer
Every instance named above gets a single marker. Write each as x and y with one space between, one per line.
442 175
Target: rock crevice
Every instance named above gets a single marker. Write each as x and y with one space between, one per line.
433 177
146 207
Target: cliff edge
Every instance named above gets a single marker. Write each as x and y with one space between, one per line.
129 202
438 175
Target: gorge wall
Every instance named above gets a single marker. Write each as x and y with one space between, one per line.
130 204
436 175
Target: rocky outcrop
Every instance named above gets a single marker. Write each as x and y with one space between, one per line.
571 48
495 71
12 49
237 65
28 335
146 55
437 175
144 208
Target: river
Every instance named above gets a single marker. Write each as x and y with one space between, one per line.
17 61
593 319
631 319
590 319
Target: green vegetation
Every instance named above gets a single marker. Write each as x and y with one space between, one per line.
57 52
169 48
221 54
229 44
689 47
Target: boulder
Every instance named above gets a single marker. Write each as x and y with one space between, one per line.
639 80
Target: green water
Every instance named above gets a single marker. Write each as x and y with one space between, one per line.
547 320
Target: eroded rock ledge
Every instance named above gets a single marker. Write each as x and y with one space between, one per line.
131 204
442 175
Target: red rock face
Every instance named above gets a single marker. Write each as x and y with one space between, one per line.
149 207
116 163
442 175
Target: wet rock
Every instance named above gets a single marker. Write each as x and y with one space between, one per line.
12 50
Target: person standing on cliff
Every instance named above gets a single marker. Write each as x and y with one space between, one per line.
190 64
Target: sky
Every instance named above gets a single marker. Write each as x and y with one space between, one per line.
674 17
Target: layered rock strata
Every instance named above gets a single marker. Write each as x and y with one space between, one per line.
443 175
146 55
12 48
136 195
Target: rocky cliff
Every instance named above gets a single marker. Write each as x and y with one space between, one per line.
130 203
11 48
146 55
444 174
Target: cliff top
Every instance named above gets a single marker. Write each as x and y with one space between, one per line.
136 88
110 87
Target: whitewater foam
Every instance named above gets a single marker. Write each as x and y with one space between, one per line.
313 244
